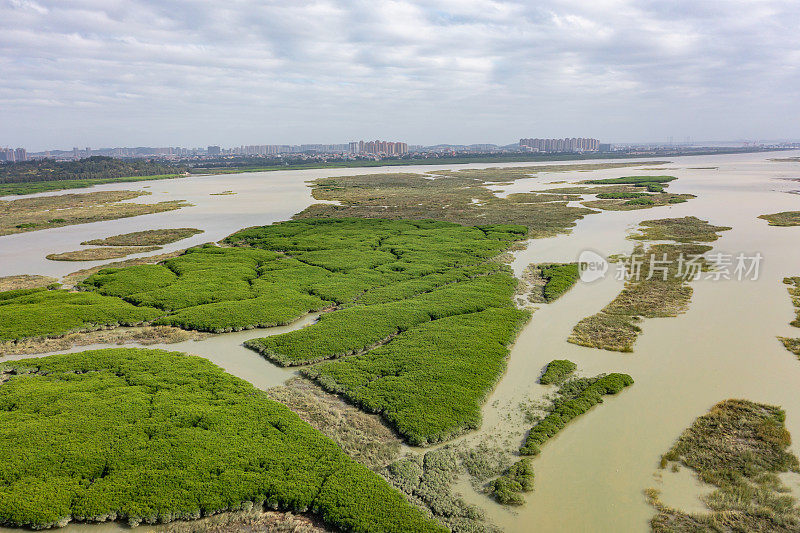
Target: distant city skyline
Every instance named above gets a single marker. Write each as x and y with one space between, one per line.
135 73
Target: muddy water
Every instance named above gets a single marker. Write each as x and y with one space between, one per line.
591 476
225 350
260 198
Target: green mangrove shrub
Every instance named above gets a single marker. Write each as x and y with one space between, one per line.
153 436
578 397
557 371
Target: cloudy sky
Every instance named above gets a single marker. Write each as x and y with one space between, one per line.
191 72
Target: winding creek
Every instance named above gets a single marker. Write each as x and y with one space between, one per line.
591 476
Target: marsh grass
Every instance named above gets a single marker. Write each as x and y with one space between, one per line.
652 200
364 437
252 521
422 350
427 481
448 197
57 185
74 278
508 489
38 313
686 229
144 335
794 292
658 289
101 253
151 237
793 345
30 214
740 447
785 218
25 281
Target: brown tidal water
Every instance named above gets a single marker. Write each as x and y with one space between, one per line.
591 476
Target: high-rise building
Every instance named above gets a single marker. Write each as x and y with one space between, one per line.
573 144
382 147
214 150
20 154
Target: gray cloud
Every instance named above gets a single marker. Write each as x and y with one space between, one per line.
190 72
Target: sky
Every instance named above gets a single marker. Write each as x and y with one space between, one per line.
104 73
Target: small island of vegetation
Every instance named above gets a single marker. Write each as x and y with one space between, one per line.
31 214
784 218
573 398
101 253
150 237
658 285
739 447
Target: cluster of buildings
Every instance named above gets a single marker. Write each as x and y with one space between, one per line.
574 144
10 155
378 148
360 147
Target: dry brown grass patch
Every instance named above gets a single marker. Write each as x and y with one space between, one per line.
362 436
100 254
25 281
42 212
124 335
150 237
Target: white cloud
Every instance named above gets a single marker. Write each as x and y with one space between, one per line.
192 72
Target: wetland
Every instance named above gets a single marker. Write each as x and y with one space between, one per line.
599 463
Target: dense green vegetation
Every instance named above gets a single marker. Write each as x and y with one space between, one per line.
620 195
557 371
546 282
784 218
150 237
149 435
559 279
431 352
740 447
47 186
429 382
625 193
574 398
356 329
209 289
508 488
43 313
40 175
